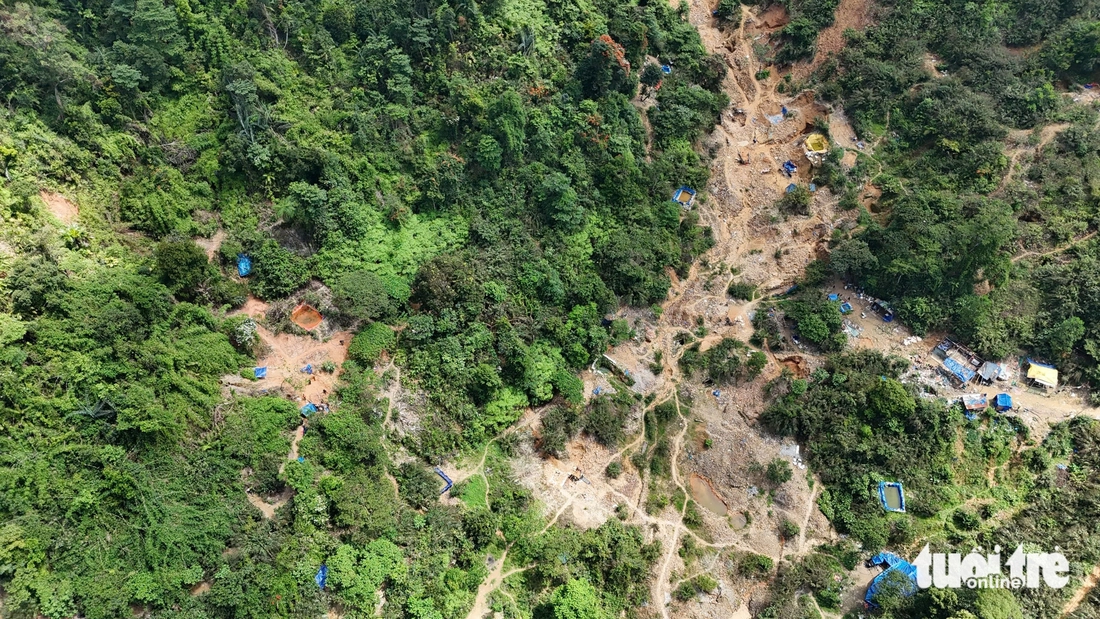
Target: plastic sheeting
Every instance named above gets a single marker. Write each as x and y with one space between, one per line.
1043 374
958 370
1002 402
244 265
893 563
885 487
309 409
439 471
260 372
322 576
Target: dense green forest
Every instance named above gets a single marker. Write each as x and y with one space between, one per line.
945 91
471 187
474 172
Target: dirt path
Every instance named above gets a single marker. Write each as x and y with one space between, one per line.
285 356
211 245
490 584
1079 596
1056 250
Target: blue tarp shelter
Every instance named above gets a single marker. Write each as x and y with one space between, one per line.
308 369
439 471
1002 402
834 297
892 487
666 69
789 168
260 372
322 576
893 563
244 265
845 308
813 187
791 187
309 409
958 370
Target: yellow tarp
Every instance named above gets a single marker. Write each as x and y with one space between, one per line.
1042 375
817 143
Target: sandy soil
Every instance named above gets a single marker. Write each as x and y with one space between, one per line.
1086 587
285 355
60 207
850 14
211 245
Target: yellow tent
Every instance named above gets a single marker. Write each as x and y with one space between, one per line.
1048 377
817 143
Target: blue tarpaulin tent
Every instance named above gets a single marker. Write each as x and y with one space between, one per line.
789 168
244 265
1002 402
308 369
845 308
893 563
958 370
834 297
322 576
309 409
666 69
439 471
261 372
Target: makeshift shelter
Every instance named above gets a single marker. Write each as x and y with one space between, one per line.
322 576
1002 403
244 265
308 409
975 401
834 297
684 196
666 69
306 317
260 372
846 308
892 496
789 168
439 471
893 563
988 372
958 371
816 148
1042 374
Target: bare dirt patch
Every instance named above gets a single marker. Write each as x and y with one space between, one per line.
60 207
211 245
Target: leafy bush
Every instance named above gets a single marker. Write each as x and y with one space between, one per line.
368 344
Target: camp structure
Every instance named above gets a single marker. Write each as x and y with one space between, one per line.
892 563
958 371
1002 403
892 496
977 402
816 148
306 317
446 480
1042 374
988 372
684 196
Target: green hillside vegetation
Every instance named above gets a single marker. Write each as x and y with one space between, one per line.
950 218
473 174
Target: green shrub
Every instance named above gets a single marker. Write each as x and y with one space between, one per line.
368 344
614 469
741 291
